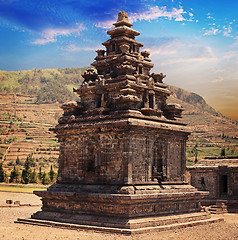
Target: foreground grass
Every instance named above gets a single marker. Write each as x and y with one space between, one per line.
23 189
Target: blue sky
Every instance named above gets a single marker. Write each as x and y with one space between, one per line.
195 43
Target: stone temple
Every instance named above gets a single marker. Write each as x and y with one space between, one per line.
122 148
219 176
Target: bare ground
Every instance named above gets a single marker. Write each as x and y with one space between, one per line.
11 231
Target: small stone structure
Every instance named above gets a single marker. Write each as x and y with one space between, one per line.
219 176
122 147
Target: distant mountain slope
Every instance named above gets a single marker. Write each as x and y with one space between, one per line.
48 85
209 126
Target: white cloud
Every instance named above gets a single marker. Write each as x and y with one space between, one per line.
176 52
211 31
74 48
169 48
157 12
50 34
43 41
227 31
151 14
210 17
105 24
218 79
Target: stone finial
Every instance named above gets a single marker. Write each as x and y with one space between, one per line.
122 16
123 19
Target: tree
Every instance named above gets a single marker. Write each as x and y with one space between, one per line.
223 152
45 179
26 172
40 174
33 177
52 174
195 153
31 159
17 161
2 174
14 176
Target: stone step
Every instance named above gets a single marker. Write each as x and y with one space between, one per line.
117 230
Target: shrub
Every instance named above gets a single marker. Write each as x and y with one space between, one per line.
223 152
26 172
45 179
52 174
33 177
2 174
14 176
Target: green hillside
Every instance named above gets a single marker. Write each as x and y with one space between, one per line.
48 85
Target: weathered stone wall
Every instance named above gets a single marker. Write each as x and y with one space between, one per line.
211 179
206 181
123 207
94 159
121 156
234 183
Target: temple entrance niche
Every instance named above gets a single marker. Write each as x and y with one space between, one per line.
159 170
223 185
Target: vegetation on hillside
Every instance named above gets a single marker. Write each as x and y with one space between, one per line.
28 174
48 85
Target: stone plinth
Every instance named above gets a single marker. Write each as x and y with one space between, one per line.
129 211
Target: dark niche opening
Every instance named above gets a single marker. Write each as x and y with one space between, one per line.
99 100
94 159
202 181
108 70
151 101
130 49
113 47
118 49
224 184
157 169
100 71
90 160
97 159
140 70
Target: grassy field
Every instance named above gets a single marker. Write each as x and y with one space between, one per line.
23 189
211 151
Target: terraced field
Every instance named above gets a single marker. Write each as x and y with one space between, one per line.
24 131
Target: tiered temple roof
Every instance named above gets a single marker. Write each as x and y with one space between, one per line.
121 83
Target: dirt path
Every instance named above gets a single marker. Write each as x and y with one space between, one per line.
227 230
